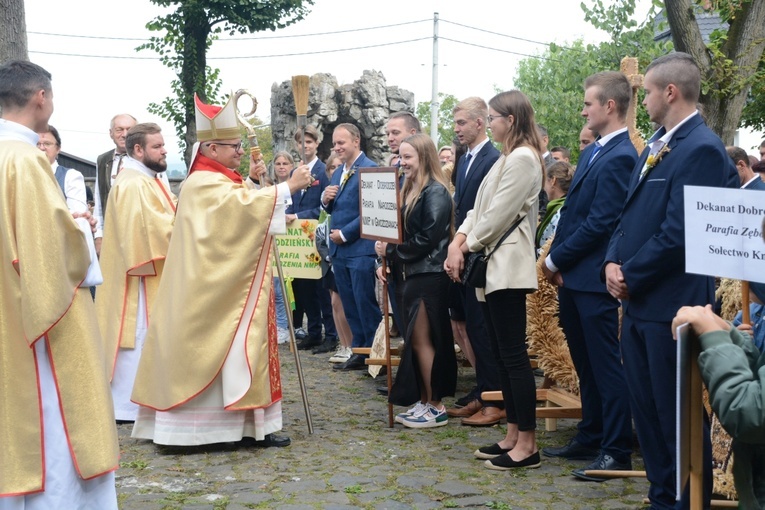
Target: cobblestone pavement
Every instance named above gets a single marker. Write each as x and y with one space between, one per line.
353 460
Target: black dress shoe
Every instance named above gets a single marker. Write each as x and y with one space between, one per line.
308 343
355 362
382 390
124 422
271 440
604 462
300 334
328 345
572 451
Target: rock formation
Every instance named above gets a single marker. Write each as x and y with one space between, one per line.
367 103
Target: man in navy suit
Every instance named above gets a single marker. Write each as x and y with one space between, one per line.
470 127
588 313
310 296
353 258
645 261
749 179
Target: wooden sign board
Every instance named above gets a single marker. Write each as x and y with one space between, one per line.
723 232
297 250
379 204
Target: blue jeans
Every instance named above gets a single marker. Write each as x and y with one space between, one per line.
281 312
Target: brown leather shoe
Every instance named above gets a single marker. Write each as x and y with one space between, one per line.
466 411
483 418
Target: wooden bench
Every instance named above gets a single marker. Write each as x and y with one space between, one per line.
557 403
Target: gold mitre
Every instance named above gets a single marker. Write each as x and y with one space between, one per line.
216 123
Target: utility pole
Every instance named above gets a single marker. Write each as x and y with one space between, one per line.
434 92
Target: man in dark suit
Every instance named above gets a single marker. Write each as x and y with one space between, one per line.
353 258
588 313
108 165
470 126
645 261
311 297
749 179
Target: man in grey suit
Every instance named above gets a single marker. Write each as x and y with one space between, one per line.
107 166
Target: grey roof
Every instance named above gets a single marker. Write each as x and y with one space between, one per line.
708 22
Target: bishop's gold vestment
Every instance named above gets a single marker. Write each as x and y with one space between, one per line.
212 307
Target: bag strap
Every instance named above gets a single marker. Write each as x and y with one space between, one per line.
515 225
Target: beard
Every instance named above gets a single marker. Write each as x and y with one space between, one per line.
158 165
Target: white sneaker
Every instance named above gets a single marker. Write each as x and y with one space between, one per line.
432 417
418 409
341 355
282 335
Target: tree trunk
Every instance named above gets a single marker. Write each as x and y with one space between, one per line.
743 49
13 36
193 71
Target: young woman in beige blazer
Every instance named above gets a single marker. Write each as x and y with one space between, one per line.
510 191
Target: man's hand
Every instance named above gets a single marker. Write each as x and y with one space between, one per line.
91 219
300 179
289 218
554 278
615 281
257 170
701 319
334 236
380 248
330 192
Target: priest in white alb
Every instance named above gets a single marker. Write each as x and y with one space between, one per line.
139 220
58 442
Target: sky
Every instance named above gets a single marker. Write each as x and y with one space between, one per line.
89 47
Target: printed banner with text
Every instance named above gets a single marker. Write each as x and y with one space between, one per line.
723 233
297 250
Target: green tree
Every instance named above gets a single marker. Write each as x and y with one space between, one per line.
265 142
554 80
447 102
188 34
732 61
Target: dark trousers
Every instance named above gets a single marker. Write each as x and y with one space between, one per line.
650 361
505 314
325 303
355 281
486 362
590 321
307 302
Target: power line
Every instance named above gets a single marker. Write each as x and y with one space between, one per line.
500 50
234 39
318 52
506 35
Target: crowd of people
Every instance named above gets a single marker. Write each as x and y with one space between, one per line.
144 350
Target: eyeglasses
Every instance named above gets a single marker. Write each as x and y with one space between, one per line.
492 117
235 146
45 145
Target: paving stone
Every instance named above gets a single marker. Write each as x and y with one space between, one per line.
353 446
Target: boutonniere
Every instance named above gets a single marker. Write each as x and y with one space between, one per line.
654 159
347 176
